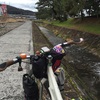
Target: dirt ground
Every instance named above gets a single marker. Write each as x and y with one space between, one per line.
10 19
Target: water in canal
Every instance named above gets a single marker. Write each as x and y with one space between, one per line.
87 66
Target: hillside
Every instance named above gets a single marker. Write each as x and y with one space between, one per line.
14 10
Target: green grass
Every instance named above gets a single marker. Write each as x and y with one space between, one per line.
87 25
68 23
92 28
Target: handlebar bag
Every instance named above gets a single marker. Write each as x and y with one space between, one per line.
56 61
39 66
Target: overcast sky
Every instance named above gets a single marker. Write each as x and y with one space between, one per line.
24 4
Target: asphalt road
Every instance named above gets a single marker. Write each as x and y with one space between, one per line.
11 45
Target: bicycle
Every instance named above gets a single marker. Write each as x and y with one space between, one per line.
44 65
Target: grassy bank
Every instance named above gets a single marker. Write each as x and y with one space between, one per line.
91 25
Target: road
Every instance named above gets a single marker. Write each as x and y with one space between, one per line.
12 44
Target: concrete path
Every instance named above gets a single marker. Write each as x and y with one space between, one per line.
12 44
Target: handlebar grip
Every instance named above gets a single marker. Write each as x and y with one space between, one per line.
77 41
4 65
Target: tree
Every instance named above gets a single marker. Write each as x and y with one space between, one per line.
60 9
55 8
96 8
75 7
43 9
93 7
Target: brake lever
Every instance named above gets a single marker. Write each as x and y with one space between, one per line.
20 61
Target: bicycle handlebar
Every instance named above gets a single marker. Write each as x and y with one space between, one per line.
4 65
72 42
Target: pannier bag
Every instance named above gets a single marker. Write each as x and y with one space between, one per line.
39 66
30 88
57 53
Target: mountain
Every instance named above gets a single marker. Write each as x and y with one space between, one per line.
14 10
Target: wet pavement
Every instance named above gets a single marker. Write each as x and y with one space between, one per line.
85 65
12 44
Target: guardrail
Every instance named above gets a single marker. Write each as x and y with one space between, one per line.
53 87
